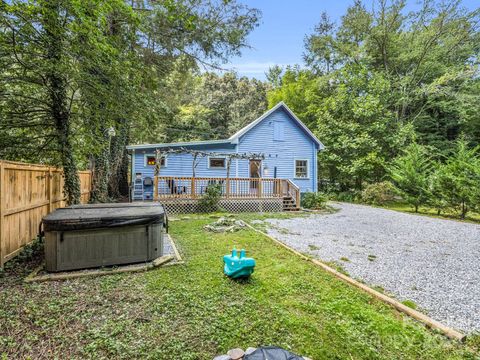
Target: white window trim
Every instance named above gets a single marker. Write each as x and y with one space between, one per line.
295 169
147 155
216 167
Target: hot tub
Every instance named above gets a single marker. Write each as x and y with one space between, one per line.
87 236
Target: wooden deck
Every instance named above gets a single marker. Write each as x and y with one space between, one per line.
181 188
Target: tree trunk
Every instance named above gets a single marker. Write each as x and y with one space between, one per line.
416 208
118 179
464 210
71 187
122 173
57 87
100 171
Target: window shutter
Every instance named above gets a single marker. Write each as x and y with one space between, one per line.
278 131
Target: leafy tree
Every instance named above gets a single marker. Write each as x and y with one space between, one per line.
348 111
410 173
457 181
382 77
218 106
320 53
71 71
274 76
41 77
299 89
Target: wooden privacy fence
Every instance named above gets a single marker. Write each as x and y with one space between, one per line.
28 192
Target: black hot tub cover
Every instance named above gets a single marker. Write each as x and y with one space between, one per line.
92 216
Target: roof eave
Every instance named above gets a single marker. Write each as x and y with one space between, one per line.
179 144
247 128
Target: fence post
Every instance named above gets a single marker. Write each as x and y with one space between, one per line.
155 188
259 187
50 187
2 206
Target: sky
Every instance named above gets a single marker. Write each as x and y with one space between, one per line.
283 26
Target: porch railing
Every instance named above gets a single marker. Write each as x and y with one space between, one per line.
191 188
291 190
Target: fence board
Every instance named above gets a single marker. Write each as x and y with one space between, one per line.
28 192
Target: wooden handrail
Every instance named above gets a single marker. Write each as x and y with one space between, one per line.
190 188
294 191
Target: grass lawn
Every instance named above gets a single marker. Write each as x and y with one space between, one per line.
192 311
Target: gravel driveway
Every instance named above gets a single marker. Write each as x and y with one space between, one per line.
433 262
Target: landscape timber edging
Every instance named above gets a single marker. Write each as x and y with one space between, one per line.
426 320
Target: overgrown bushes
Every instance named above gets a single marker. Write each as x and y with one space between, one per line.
378 193
209 201
313 200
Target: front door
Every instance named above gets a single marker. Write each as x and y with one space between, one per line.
255 173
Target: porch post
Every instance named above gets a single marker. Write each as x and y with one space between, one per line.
192 187
192 181
158 164
227 182
155 188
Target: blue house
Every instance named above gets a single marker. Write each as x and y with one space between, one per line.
285 163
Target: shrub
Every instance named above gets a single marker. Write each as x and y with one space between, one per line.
311 200
345 196
378 193
209 201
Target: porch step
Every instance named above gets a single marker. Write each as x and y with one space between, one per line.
289 204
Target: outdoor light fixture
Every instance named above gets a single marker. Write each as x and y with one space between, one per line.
265 170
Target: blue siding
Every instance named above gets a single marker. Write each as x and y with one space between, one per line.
277 136
280 154
181 165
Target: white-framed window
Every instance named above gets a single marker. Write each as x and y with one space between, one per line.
151 159
301 169
217 163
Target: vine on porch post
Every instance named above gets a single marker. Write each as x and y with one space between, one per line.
227 184
156 173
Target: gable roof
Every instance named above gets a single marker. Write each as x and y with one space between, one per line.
235 137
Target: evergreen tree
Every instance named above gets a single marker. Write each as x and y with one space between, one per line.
410 173
457 181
